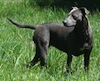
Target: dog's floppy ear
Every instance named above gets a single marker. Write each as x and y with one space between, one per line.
84 10
73 9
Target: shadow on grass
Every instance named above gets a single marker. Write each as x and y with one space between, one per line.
66 4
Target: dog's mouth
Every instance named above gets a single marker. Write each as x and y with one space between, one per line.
65 24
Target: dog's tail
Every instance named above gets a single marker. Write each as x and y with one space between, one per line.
22 25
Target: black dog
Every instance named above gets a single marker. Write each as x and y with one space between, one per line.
73 36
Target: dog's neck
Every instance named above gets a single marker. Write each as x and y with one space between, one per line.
82 25
82 28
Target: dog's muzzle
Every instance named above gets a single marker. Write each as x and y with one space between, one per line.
65 24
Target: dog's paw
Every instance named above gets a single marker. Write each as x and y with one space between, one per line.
29 65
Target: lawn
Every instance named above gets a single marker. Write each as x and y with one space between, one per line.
17 48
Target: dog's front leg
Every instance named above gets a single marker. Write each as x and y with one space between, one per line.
69 60
86 60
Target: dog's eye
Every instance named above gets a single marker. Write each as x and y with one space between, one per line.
74 17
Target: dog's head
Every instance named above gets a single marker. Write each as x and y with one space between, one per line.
75 15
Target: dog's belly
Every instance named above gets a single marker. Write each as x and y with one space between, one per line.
77 52
62 47
73 49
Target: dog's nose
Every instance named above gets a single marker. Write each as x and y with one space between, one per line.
64 22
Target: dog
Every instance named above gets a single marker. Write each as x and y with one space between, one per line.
73 36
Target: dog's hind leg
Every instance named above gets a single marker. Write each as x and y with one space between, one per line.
43 53
36 58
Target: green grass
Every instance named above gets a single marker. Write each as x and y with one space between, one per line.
17 48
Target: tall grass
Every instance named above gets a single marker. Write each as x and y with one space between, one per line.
17 48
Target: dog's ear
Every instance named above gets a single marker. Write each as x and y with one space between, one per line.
73 9
84 10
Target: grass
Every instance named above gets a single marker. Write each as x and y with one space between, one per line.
17 48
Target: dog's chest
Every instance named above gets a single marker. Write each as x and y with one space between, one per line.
69 41
77 45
